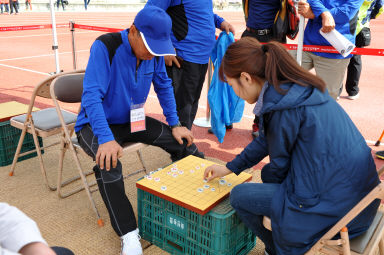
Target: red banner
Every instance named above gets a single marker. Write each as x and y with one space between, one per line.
94 28
330 49
31 27
311 48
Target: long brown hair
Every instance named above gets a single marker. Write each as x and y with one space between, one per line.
270 61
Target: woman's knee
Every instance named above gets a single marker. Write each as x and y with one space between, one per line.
238 196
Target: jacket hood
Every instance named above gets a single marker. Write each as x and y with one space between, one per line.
296 96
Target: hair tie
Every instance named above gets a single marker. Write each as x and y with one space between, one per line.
263 48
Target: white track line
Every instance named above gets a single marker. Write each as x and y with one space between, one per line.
50 34
38 56
24 69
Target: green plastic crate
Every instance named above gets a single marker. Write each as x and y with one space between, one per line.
178 230
9 138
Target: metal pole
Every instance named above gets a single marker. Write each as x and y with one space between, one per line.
299 55
206 122
55 46
72 28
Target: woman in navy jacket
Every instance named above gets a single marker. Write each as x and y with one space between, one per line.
320 165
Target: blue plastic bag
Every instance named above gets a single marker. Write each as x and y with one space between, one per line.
226 106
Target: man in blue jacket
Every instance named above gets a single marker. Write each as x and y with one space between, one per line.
260 16
117 81
193 36
328 15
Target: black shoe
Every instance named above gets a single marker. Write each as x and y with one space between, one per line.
229 127
199 154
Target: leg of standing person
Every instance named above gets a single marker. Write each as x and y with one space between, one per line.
252 201
16 7
57 4
332 71
62 4
353 76
187 82
260 38
1 7
85 4
7 8
11 6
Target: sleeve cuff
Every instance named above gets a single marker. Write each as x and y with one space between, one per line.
105 139
235 169
218 21
317 9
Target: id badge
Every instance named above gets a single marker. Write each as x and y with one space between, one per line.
137 118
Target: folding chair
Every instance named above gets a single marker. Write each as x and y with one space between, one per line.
68 89
43 123
365 244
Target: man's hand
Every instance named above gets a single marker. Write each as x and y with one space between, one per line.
215 171
328 22
170 60
182 132
36 249
108 151
305 10
225 26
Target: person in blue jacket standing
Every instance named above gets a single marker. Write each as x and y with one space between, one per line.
328 15
370 9
117 82
193 36
320 165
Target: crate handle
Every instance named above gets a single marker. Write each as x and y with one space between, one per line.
175 245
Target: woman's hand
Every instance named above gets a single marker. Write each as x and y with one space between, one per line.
215 171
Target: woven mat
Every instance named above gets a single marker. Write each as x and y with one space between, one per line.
71 222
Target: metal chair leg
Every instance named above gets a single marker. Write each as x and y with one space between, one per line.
100 221
18 149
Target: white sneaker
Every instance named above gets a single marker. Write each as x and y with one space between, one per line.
130 243
354 97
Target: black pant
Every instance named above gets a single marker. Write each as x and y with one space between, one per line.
353 75
187 83
58 4
14 5
111 183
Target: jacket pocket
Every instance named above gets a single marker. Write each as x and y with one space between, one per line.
303 202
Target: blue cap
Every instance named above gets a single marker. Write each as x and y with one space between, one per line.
155 28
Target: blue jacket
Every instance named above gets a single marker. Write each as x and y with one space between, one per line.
344 13
326 162
112 83
197 45
260 14
226 106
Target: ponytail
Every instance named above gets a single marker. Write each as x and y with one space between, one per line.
270 62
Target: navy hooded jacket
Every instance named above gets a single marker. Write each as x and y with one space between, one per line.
327 166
